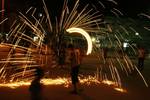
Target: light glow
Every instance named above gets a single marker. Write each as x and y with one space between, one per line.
85 34
66 82
120 90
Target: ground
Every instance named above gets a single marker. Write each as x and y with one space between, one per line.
136 89
90 92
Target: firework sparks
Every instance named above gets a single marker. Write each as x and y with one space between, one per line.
2 11
147 16
3 20
85 34
62 81
21 36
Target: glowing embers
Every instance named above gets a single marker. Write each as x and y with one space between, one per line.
57 81
114 84
120 90
66 82
14 85
85 34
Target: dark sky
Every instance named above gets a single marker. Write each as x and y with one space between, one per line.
128 7
133 7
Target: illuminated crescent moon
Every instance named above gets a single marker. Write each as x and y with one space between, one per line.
85 34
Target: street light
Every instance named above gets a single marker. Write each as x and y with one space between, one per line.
93 39
40 14
125 44
136 33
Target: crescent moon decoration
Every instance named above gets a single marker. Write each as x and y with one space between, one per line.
85 34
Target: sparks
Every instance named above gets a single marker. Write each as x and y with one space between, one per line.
61 81
85 34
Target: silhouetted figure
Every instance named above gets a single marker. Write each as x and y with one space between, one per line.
75 61
62 56
141 58
36 87
105 50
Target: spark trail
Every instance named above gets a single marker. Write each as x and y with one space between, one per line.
26 52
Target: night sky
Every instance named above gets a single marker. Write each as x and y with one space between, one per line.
133 7
128 7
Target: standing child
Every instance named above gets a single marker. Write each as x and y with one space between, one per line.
36 87
75 61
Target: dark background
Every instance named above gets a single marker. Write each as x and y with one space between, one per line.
127 7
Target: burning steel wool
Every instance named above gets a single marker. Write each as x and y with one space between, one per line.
36 42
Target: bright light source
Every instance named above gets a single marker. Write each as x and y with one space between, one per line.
136 33
85 34
125 44
40 15
93 39
6 36
35 38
